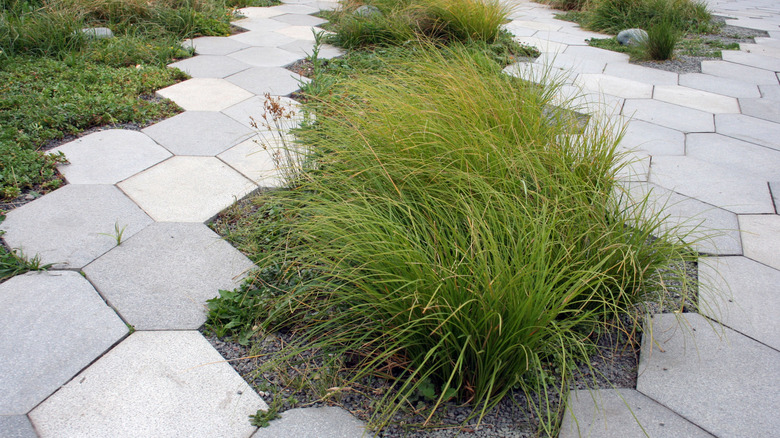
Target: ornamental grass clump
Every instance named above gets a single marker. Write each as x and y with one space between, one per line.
463 232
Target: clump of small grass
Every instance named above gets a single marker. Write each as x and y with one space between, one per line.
460 234
14 262
612 16
661 41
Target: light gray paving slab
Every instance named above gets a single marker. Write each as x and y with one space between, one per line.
253 110
567 38
326 422
723 187
761 238
259 24
728 152
774 187
205 94
743 295
770 92
203 133
293 9
752 60
538 25
668 115
153 384
761 49
257 159
750 75
725 86
696 99
519 30
615 86
107 157
708 229
16 426
544 45
751 129
52 325
275 81
261 39
187 189
621 413
161 278
305 48
596 54
571 62
266 56
210 66
261 12
714 377
654 139
640 73
214 45
300 19
761 108
74 225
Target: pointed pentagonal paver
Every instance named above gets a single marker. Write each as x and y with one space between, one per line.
205 94
615 86
766 109
571 62
210 66
715 377
74 225
668 115
153 384
708 229
214 45
761 132
724 86
654 139
728 152
52 325
262 38
696 99
744 73
640 73
742 294
761 238
723 187
771 92
305 48
327 422
596 54
187 189
161 278
254 110
205 133
757 60
16 426
259 24
275 81
305 33
621 413
266 56
258 159
300 19
107 157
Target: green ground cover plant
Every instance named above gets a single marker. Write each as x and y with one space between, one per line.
453 231
13 262
55 81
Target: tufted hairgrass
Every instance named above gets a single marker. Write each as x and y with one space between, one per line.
612 16
459 231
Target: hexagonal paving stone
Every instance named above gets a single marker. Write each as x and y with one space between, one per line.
743 73
161 277
654 139
107 157
708 229
713 376
153 384
52 325
596 54
742 294
305 33
570 62
696 99
275 81
724 86
761 238
723 187
767 109
615 86
735 154
761 132
254 109
640 73
74 225
304 48
261 24
214 45
668 115
324 422
16 426
205 133
205 94
261 38
752 59
266 57
210 66
300 19
187 189
621 413
254 158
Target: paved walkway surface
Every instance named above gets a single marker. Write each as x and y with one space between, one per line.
707 145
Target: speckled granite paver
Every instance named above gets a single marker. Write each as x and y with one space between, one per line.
328 422
16 426
203 133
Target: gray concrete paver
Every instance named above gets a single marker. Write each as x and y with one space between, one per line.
751 129
640 73
714 84
254 109
767 109
761 238
153 384
621 413
52 325
259 24
669 115
16 426
267 39
210 66
214 45
161 278
275 81
300 19
654 139
750 75
205 94
748 158
202 133
110 156
325 422
73 225
714 377
266 56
